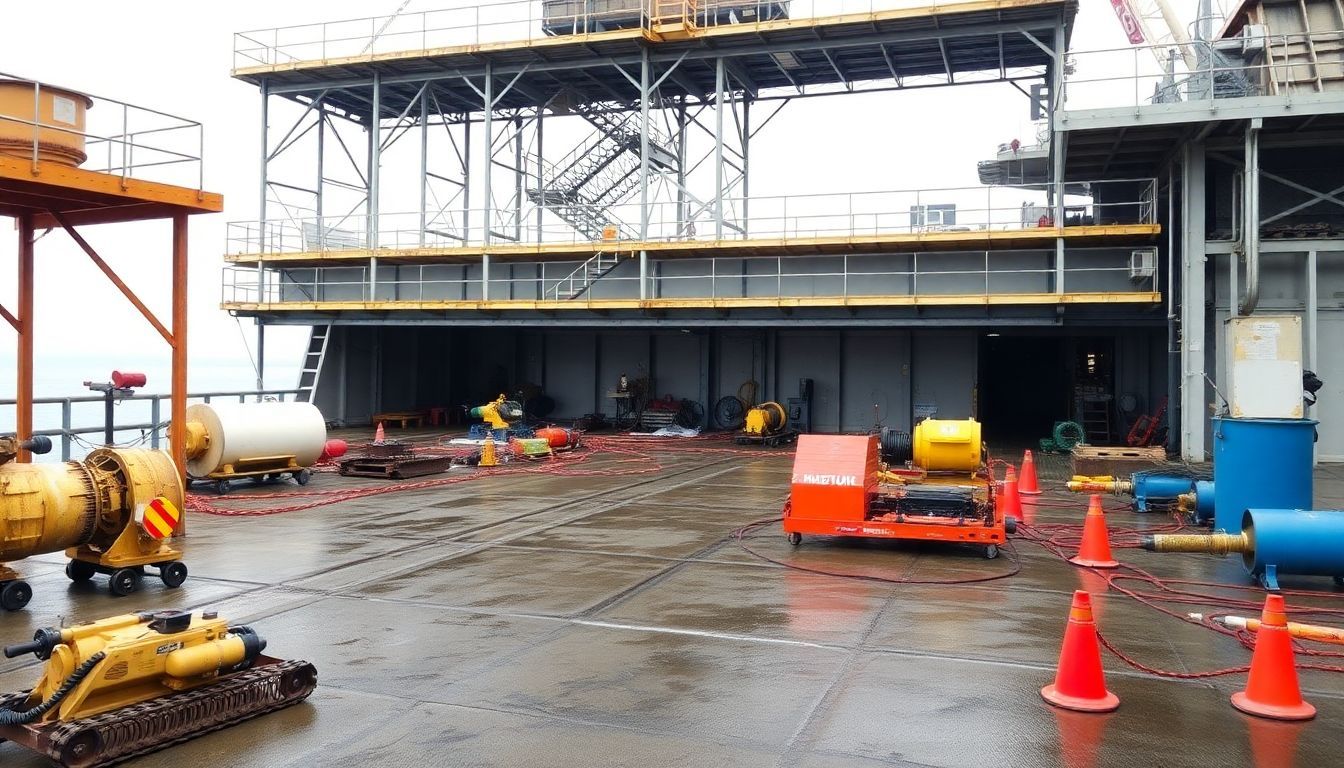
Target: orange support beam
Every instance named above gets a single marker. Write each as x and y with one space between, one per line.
177 435
12 320
23 418
111 275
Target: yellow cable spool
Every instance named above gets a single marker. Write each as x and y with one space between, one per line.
766 419
942 445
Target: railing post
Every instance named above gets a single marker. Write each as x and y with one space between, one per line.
65 429
154 420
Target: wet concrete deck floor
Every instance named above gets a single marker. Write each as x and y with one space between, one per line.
610 621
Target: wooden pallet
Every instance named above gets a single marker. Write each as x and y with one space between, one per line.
404 418
1118 461
395 467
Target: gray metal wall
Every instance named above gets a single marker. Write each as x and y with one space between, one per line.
861 377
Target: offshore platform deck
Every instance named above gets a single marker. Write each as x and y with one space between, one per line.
611 620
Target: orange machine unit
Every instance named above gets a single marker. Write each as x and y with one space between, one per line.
840 489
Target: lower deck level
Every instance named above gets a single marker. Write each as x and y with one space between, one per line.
605 617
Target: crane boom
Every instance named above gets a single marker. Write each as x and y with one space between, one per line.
1154 23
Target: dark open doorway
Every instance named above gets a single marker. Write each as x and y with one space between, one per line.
1024 387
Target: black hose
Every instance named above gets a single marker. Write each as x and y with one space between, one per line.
897 446
10 717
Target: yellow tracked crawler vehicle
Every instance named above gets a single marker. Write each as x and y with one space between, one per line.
137 683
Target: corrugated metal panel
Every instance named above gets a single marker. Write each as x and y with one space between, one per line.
571 374
677 365
943 367
875 371
813 355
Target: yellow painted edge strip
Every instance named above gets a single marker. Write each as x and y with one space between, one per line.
723 30
584 249
997 299
132 190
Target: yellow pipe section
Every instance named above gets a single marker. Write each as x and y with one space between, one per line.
1331 635
45 508
1212 544
1100 485
206 658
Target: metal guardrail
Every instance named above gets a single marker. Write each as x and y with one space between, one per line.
961 273
150 429
1199 72
517 21
780 217
119 138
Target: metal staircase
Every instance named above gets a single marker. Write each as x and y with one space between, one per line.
577 283
601 172
312 363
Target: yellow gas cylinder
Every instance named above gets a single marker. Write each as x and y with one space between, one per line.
942 445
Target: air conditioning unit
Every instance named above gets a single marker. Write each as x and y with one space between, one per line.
1142 264
1253 38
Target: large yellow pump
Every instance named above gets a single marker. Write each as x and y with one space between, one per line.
112 513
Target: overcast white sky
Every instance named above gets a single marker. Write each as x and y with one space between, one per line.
176 57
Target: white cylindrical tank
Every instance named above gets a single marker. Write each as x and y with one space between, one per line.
237 432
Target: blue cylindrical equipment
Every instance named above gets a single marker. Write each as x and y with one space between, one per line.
1293 541
1151 487
1204 500
1262 463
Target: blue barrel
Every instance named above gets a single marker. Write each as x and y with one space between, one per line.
1262 463
1293 541
1204 501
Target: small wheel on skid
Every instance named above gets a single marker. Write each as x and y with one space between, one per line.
173 574
15 595
303 476
992 551
221 487
795 538
123 582
78 570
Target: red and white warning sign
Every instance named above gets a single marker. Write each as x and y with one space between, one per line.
159 518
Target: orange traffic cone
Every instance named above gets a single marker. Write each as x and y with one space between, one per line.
1012 502
1027 482
1095 551
1272 690
378 435
1079 682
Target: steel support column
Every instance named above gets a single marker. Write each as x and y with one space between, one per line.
1250 222
1193 389
177 414
541 172
263 188
720 85
488 101
261 357
23 417
644 96
1058 148
375 160
746 162
424 161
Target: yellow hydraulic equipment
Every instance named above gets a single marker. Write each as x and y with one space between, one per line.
113 513
499 413
768 424
942 445
136 683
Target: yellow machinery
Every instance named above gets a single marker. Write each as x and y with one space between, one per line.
499 416
136 683
936 445
768 424
112 513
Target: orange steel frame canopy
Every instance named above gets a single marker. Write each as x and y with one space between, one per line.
837 484
42 194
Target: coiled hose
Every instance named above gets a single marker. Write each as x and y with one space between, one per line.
10 717
897 446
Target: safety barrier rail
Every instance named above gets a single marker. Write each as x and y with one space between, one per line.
977 273
151 431
517 21
1252 64
118 138
780 218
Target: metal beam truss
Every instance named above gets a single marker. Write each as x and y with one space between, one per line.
486 174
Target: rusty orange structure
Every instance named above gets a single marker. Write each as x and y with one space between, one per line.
839 488
45 137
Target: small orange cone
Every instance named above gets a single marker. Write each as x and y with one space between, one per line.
1012 502
1027 482
1272 690
1079 682
379 437
1095 551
